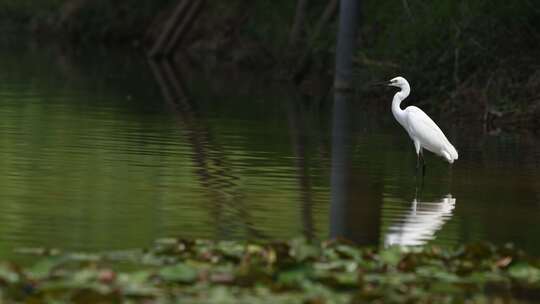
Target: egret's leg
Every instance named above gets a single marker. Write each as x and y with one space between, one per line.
418 150
423 165
417 173
423 169
417 166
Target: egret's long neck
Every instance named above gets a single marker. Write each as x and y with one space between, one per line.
399 114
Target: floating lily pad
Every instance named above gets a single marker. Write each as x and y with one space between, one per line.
180 273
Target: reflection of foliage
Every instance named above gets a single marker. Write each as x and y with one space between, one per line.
282 272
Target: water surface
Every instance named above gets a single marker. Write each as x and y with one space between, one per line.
103 151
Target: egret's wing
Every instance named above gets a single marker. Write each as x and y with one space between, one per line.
426 130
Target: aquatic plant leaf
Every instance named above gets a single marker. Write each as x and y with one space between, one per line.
438 274
391 256
293 278
301 250
525 272
43 268
8 274
233 250
180 273
348 252
136 277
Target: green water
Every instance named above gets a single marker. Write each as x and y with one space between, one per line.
101 151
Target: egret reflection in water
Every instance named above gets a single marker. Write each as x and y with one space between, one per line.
422 222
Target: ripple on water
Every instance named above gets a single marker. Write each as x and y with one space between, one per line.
85 168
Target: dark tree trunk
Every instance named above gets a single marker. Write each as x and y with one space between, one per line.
348 23
304 62
299 23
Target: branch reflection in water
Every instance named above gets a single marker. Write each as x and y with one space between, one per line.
213 169
422 222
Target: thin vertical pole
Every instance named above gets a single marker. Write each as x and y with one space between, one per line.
340 165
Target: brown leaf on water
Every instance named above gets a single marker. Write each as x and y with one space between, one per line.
314 300
408 263
502 263
106 276
222 278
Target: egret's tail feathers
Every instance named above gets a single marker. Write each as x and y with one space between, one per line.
453 152
450 153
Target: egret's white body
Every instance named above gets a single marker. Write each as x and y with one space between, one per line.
423 131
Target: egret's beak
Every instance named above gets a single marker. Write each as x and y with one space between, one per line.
380 83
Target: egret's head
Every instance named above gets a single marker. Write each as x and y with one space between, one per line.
398 82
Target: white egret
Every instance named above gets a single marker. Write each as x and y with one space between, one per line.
423 131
